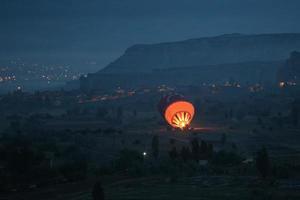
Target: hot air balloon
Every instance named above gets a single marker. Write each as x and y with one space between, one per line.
177 111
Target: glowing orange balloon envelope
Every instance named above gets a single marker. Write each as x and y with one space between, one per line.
177 111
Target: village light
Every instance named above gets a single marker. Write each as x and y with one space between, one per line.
281 84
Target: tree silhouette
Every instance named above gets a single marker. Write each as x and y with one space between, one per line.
263 164
195 149
210 151
97 192
206 150
203 147
173 153
155 146
185 153
172 141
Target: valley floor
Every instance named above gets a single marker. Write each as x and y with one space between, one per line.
158 188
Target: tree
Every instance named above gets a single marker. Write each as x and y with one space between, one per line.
172 141
210 151
263 164
173 153
195 149
224 158
234 147
203 150
128 159
75 169
223 139
97 192
185 153
155 146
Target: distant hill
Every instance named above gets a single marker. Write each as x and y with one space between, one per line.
231 48
245 58
245 73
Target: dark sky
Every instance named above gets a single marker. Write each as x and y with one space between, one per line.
101 30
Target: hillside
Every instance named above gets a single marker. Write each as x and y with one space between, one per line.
231 48
245 73
245 58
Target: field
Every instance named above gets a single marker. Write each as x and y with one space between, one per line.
158 188
93 136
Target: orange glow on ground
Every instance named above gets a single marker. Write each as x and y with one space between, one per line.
180 114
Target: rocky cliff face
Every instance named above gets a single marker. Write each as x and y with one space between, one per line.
232 48
246 58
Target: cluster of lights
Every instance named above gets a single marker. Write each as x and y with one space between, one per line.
228 84
164 88
33 71
256 88
7 78
283 84
121 93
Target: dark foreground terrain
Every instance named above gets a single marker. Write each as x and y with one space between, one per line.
199 187
243 144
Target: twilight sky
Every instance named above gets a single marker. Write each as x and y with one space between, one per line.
100 30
